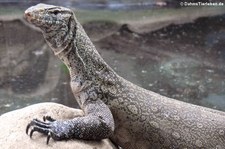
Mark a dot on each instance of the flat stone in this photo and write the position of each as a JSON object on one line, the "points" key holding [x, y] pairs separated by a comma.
{"points": [[13, 125]]}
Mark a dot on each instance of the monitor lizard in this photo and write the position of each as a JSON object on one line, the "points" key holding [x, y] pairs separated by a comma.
{"points": [[131, 116]]}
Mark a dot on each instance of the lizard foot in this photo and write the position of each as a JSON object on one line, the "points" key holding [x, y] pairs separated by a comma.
{"points": [[46, 128]]}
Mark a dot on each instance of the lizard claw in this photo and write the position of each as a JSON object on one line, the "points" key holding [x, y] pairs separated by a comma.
{"points": [[48, 137], [48, 118], [27, 128], [41, 127]]}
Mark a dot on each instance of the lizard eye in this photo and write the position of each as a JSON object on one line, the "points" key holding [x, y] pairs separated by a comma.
{"points": [[56, 12]]}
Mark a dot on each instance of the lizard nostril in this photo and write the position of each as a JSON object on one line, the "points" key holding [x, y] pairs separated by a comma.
{"points": [[27, 14]]}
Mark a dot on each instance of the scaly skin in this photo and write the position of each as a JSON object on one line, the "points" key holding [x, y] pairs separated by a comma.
{"points": [[134, 118]]}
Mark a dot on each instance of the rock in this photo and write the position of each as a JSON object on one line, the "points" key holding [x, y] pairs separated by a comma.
{"points": [[13, 125]]}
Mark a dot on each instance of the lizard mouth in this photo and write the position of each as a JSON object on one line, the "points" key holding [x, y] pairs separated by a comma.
{"points": [[32, 14], [35, 17], [38, 19], [31, 18]]}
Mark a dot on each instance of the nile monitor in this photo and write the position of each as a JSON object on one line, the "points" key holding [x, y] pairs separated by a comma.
{"points": [[132, 117]]}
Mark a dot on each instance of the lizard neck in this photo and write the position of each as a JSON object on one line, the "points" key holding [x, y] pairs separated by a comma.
{"points": [[80, 55]]}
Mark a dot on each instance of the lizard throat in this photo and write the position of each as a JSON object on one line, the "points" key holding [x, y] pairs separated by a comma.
{"points": [[62, 40]]}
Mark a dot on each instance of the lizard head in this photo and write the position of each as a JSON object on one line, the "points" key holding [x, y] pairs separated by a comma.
{"points": [[55, 23], [68, 40]]}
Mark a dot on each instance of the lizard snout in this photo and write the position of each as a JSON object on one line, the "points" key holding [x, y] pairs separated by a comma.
{"points": [[28, 16]]}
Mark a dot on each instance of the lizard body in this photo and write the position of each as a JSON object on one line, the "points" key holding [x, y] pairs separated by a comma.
{"points": [[114, 108]]}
